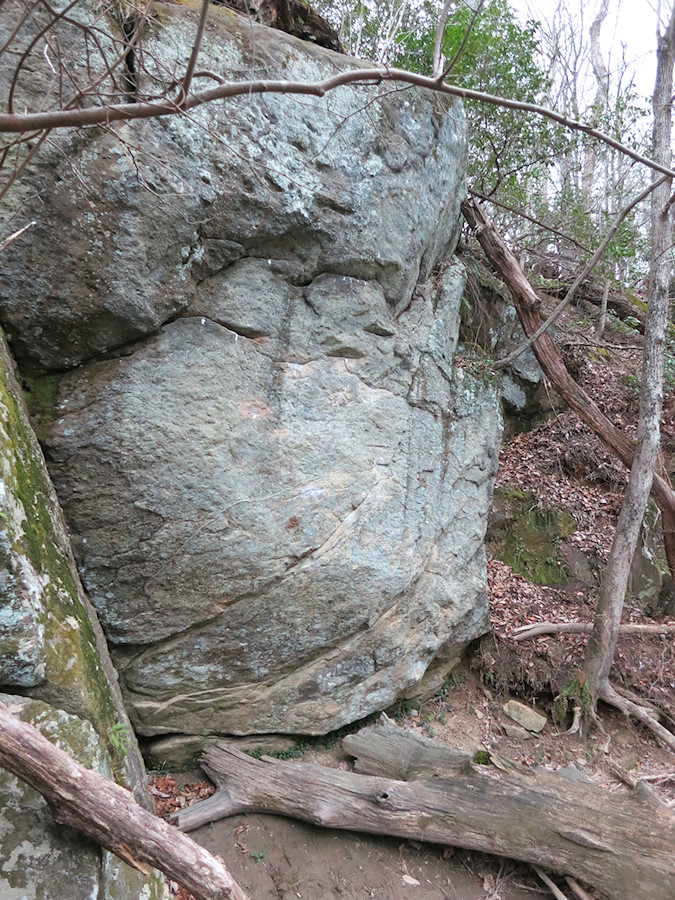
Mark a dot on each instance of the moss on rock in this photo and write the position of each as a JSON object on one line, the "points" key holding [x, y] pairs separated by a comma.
{"points": [[528, 537]]}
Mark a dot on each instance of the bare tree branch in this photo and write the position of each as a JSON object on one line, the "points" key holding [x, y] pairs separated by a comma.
{"points": [[189, 72], [16, 234], [98, 115]]}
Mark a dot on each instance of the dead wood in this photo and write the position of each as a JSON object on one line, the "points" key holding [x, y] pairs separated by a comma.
{"points": [[525, 632], [108, 814], [621, 845], [528, 308]]}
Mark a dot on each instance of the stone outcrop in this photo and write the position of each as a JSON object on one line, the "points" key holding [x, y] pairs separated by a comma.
{"points": [[52, 648], [276, 481]]}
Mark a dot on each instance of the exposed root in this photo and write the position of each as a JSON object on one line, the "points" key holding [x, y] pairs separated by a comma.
{"points": [[643, 714], [575, 727]]}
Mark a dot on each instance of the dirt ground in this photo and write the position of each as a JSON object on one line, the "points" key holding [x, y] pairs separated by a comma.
{"points": [[272, 857]]}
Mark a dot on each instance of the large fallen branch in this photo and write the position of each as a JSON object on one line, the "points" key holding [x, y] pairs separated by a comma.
{"points": [[525, 632], [528, 308], [108, 814], [621, 845]]}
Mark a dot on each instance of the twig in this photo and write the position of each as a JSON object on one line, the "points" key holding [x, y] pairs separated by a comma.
{"points": [[528, 217], [12, 237], [577, 889], [557, 893]]}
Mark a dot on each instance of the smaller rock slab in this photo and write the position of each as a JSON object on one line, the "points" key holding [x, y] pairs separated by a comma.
{"points": [[524, 716]]}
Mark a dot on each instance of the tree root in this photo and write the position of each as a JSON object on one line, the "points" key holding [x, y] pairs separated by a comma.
{"points": [[525, 632], [643, 714]]}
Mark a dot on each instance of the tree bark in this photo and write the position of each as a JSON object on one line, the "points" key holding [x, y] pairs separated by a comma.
{"points": [[108, 814], [528, 307], [621, 845], [602, 642]]}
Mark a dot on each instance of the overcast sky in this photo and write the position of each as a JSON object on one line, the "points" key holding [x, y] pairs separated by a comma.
{"points": [[629, 22]]}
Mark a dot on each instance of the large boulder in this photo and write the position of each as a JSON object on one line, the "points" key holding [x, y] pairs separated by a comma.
{"points": [[347, 184], [278, 538], [276, 481]]}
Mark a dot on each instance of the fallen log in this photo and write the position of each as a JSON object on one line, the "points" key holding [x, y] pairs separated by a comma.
{"points": [[621, 845], [108, 814], [528, 308]]}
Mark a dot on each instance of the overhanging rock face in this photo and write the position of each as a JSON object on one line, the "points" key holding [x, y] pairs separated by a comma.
{"points": [[278, 482]]}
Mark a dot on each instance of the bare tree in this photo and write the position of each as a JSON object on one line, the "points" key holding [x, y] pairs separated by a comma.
{"points": [[602, 643]]}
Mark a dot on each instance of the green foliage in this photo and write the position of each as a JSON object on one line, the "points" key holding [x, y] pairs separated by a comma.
{"points": [[481, 758], [296, 751], [160, 769], [119, 734], [258, 857], [400, 710], [508, 148]]}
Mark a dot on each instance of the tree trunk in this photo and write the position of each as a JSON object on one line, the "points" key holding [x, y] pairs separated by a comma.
{"points": [[528, 307], [108, 814], [602, 642], [621, 845]]}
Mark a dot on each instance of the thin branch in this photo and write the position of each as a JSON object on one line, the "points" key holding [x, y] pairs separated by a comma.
{"points": [[524, 215], [98, 115], [525, 632], [17, 234], [585, 272], [437, 67], [453, 62], [553, 888], [189, 72], [576, 889]]}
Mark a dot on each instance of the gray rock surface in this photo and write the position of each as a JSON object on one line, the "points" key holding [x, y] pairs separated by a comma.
{"points": [[276, 481], [40, 860], [525, 716], [339, 184], [51, 643], [279, 506]]}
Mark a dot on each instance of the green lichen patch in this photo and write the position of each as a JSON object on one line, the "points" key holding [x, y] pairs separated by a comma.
{"points": [[41, 399], [528, 537], [40, 592]]}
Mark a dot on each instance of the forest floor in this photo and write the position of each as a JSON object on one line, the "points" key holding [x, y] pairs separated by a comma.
{"points": [[560, 463]]}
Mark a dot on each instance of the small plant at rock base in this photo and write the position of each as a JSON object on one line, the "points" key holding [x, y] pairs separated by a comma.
{"points": [[575, 690], [119, 735], [400, 710], [258, 857], [481, 758]]}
